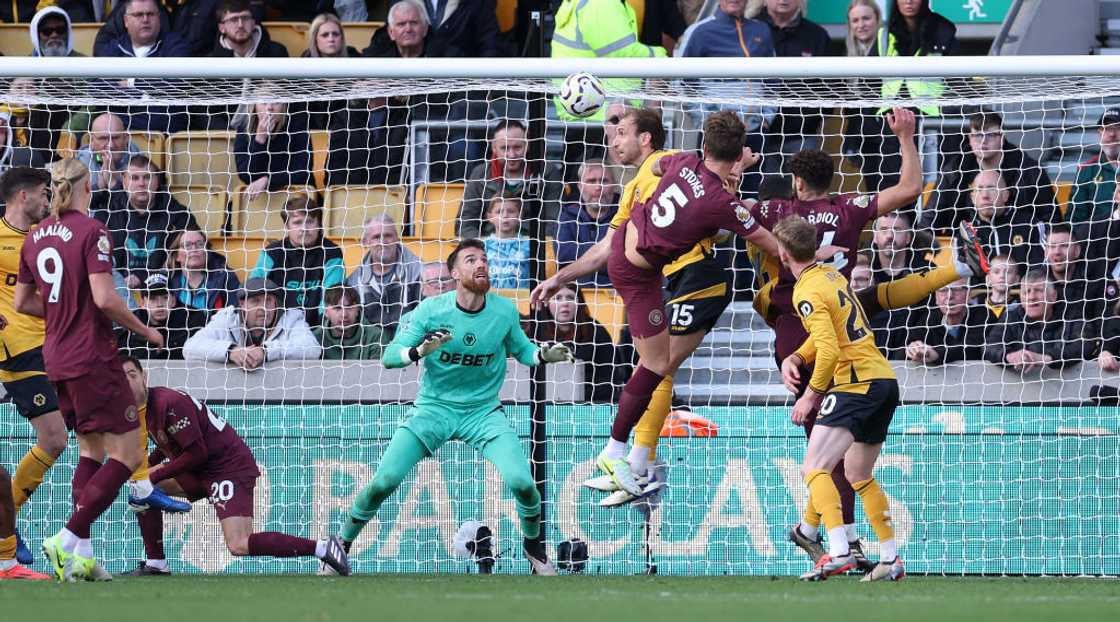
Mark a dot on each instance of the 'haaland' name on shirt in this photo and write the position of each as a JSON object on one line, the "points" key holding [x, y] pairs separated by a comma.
{"points": [[55, 229]]}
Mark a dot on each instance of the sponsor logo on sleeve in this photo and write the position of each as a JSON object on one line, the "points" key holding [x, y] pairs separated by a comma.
{"points": [[805, 308]]}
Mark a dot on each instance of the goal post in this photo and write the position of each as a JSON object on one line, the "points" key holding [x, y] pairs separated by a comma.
{"points": [[989, 470]]}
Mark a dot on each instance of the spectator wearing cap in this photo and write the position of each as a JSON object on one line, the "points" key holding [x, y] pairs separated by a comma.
{"points": [[954, 332], [198, 275], [1096, 177], [344, 333], [259, 329], [1033, 334], [140, 219], [159, 310], [304, 262], [1028, 187]]}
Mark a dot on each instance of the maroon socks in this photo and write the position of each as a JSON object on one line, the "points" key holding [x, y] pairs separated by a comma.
{"points": [[632, 405], [97, 495]]}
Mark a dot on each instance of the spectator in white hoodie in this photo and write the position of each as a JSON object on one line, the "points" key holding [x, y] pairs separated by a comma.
{"points": [[254, 332]]}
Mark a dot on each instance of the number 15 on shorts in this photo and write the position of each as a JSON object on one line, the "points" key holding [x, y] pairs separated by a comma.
{"points": [[682, 314]]}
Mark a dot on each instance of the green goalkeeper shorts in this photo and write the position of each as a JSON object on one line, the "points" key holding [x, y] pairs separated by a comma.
{"points": [[436, 424]]}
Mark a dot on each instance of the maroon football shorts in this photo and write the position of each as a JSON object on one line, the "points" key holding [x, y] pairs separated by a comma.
{"points": [[641, 290], [231, 497], [100, 401]]}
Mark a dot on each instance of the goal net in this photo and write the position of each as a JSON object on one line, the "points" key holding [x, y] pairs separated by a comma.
{"points": [[998, 462]]}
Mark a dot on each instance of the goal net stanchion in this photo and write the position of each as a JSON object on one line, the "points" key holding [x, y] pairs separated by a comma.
{"points": [[989, 471]]}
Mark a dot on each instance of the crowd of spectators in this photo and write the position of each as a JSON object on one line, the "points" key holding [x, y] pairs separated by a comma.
{"points": [[1051, 298]]}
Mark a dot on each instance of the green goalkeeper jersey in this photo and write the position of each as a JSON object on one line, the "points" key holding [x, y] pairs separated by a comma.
{"points": [[467, 371]]}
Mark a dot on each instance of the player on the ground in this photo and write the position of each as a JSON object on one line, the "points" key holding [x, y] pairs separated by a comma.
{"points": [[841, 219], [198, 456], [65, 276], [699, 289], [691, 203], [855, 390], [462, 338], [22, 371]]}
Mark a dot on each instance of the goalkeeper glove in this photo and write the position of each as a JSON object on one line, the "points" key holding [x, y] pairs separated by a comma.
{"points": [[431, 342], [554, 353]]}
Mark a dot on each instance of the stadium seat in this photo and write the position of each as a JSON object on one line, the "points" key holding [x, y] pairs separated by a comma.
{"points": [[201, 159], [241, 252], [15, 39], [507, 15], [320, 145], [518, 296], [261, 216], [352, 252], [348, 207], [639, 7], [437, 208], [209, 206], [605, 305], [927, 193], [1063, 192], [293, 35], [429, 250], [153, 144]]}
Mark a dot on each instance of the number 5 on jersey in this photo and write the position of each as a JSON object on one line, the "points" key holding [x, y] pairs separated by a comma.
{"points": [[49, 264], [668, 202]]}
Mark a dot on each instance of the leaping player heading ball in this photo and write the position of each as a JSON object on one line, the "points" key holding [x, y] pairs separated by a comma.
{"points": [[693, 201]]}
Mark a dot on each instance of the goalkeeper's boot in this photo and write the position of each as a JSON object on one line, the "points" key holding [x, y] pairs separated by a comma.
{"points": [[602, 483], [23, 554], [967, 251], [651, 483], [336, 558], [538, 557], [862, 563], [829, 566], [619, 470], [52, 550], [144, 570], [886, 571], [20, 572], [97, 574], [812, 547], [158, 500]]}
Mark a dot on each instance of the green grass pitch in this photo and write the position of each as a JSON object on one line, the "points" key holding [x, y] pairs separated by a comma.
{"points": [[415, 598]]}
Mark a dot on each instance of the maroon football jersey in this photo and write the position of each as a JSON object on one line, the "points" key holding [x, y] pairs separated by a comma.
{"points": [[839, 219], [58, 257], [690, 204], [177, 421]]}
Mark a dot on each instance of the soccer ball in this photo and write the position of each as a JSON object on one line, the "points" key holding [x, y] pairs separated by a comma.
{"points": [[582, 94]]}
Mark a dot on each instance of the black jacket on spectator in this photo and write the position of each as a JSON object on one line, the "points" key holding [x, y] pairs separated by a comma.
{"points": [[1013, 233], [1083, 294], [301, 271], [319, 112], [217, 291], [606, 367], [1064, 340], [801, 38], [20, 11], [193, 20], [892, 327], [662, 17], [935, 36], [285, 158], [140, 238], [1029, 189], [367, 146], [181, 324], [1110, 333], [964, 342], [469, 30]]}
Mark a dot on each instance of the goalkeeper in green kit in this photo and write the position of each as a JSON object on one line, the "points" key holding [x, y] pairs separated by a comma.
{"points": [[463, 338]]}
